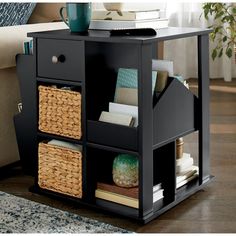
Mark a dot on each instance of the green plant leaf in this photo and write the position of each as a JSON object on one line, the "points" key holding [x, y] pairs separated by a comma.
{"points": [[220, 53], [224, 38], [229, 52], [206, 11], [212, 36], [219, 14], [214, 54]]}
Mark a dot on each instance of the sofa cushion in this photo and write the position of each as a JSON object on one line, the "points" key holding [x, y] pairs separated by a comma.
{"points": [[15, 13], [46, 12], [9, 97]]}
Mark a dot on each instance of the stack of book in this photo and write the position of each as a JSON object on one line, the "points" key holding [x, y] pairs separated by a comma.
{"points": [[185, 170], [107, 20], [125, 196], [124, 109], [157, 193]]}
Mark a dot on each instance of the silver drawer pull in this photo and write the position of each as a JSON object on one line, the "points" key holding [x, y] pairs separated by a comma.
{"points": [[56, 59]]}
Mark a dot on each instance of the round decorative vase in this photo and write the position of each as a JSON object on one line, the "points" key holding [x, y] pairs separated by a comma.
{"points": [[125, 171], [113, 6]]}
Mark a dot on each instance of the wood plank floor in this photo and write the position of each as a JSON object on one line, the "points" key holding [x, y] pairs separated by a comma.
{"points": [[211, 210]]}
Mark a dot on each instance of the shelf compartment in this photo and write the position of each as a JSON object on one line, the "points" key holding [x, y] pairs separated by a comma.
{"points": [[101, 183], [60, 169], [174, 113], [60, 112], [112, 135]]}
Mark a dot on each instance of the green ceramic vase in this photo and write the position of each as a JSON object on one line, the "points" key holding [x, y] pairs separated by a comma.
{"points": [[125, 171]]}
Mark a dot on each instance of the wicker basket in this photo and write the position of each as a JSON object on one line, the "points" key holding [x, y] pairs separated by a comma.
{"points": [[60, 169], [60, 112]]}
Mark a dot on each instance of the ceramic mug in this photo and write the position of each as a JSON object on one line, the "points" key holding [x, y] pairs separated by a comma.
{"points": [[79, 16]]}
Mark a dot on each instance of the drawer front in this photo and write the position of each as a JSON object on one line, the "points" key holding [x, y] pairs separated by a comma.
{"points": [[61, 59]]}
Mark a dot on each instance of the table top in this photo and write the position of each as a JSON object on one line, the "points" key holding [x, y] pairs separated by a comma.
{"points": [[104, 35]]}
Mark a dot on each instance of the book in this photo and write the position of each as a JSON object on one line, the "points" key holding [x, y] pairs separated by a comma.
{"points": [[163, 65], [125, 15], [186, 174], [128, 78], [161, 81], [128, 192], [115, 118], [126, 110], [124, 200], [157, 187], [182, 183], [117, 198], [115, 24], [128, 96], [158, 195], [28, 47]]}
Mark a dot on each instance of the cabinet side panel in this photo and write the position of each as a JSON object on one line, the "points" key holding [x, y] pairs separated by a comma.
{"points": [[26, 121]]}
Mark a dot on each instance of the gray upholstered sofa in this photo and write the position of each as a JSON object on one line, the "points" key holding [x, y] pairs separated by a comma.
{"points": [[11, 41]]}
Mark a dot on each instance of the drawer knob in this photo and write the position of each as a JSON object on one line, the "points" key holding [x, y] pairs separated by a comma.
{"points": [[56, 59]]}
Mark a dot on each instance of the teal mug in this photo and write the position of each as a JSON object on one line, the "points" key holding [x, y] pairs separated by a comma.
{"points": [[79, 16]]}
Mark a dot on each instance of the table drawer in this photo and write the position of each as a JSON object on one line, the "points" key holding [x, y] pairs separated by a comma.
{"points": [[61, 59]]}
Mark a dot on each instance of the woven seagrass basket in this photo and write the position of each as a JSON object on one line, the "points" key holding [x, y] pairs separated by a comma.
{"points": [[60, 169], [60, 112]]}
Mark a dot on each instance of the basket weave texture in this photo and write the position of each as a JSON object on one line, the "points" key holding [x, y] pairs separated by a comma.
{"points": [[60, 169], [60, 112]]}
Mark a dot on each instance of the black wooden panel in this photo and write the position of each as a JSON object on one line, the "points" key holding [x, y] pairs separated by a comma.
{"points": [[26, 121], [164, 170], [112, 135], [174, 113], [111, 55], [204, 98], [72, 68]]}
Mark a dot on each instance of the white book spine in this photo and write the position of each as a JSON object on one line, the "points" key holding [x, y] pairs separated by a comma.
{"points": [[158, 195], [187, 174], [109, 24], [182, 183], [125, 110], [156, 187], [115, 118]]}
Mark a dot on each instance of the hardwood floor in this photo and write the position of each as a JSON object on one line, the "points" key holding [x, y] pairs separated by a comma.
{"points": [[211, 210]]}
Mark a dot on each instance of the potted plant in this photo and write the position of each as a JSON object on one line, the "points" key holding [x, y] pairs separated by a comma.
{"points": [[224, 27]]}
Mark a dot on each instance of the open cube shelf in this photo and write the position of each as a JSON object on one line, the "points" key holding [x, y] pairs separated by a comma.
{"points": [[174, 115]]}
